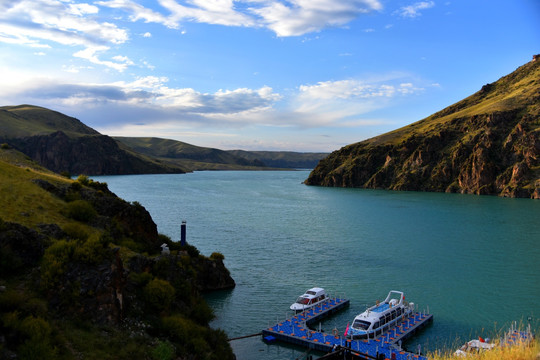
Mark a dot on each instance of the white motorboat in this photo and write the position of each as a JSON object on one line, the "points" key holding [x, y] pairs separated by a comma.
{"points": [[312, 297], [474, 346], [379, 318]]}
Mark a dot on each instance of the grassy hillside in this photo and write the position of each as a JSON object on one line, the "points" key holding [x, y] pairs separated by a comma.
{"points": [[283, 159], [520, 352], [64, 144], [488, 143], [518, 90], [83, 277], [28, 120], [190, 156], [202, 158]]}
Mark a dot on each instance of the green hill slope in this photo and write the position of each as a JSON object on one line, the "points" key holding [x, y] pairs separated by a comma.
{"points": [[283, 159], [488, 143], [83, 276], [28, 120], [64, 144], [189, 156], [203, 158]]}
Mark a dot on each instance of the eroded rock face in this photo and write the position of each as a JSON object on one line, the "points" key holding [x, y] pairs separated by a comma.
{"points": [[498, 160], [87, 154], [92, 292], [492, 153]]}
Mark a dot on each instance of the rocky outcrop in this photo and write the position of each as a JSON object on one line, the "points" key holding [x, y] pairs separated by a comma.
{"points": [[85, 154], [92, 292], [460, 149], [21, 247], [114, 214], [101, 276]]}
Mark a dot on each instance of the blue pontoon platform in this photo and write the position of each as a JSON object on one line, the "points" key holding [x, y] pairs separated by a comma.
{"points": [[295, 331]]}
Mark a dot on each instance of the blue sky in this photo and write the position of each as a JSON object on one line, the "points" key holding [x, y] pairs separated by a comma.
{"points": [[300, 75]]}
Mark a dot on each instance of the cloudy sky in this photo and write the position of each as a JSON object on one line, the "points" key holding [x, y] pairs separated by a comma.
{"points": [[301, 75]]}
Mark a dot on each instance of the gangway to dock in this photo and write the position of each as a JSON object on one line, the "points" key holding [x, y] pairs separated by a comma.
{"points": [[294, 330]]}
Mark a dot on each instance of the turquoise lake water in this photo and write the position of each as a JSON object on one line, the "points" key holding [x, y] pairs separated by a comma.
{"points": [[474, 261]]}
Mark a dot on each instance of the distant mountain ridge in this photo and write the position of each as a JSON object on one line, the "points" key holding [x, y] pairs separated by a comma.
{"points": [[488, 143], [64, 144], [202, 158]]}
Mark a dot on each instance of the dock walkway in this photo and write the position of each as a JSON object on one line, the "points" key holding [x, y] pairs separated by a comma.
{"points": [[295, 331]]}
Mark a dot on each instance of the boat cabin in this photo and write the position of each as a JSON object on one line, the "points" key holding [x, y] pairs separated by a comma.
{"points": [[309, 299], [382, 316]]}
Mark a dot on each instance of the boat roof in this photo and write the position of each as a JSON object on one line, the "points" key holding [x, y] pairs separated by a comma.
{"points": [[316, 291], [374, 312]]}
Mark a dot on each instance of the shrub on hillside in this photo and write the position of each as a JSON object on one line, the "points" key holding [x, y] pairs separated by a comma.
{"points": [[80, 210], [217, 256], [192, 250], [76, 231], [202, 313], [163, 351], [55, 261], [91, 251], [35, 328], [83, 180], [159, 294]]}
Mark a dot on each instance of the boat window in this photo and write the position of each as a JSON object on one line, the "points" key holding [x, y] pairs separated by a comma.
{"points": [[361, 324], [377, 324], [382, 321], [388, 317], [393, 314], [311, 293], [302, 300], [399, 311]]}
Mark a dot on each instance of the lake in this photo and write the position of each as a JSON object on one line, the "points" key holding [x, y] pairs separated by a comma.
{"points": [[474, 261]]}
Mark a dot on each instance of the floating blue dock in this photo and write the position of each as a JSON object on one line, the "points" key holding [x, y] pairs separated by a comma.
{"points": [[295, 331]]}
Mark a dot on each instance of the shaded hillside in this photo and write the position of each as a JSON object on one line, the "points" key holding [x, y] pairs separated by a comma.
{"points": [[190, 156], [64, 144], [83, 276], [283, 159], [202, 158], [488, 143]]}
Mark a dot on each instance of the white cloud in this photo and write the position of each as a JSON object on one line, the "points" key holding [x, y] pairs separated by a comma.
{"points": [[298, 17], [285, 18], [413, 10], [90, 54], [43, 23], [139, 12], [150, 93], [165, 110], [345, 102], [147, 35], [82, 9]]}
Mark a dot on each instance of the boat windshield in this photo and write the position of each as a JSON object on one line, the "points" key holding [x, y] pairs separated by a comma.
{"points": [[361, 324], [302, 300]]}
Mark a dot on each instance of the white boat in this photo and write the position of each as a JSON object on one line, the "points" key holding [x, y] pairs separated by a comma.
{"points": [[379, 318], [474, 346], [312, 297]]}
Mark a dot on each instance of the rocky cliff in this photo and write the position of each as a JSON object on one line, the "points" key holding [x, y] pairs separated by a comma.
{"points": [[489, 143], [88, 154], [64, 144], [83, 275]]}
